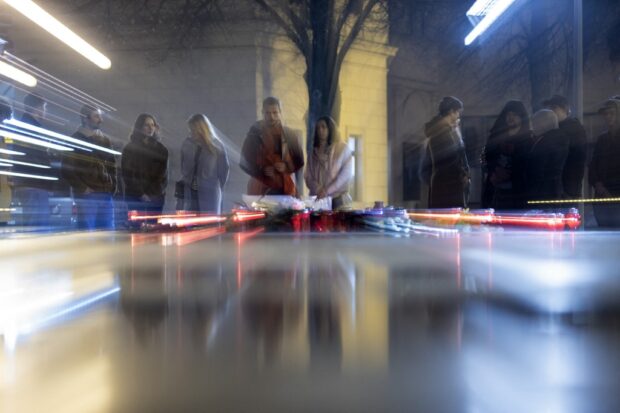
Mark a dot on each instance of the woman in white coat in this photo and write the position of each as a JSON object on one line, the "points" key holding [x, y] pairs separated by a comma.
{"points": [[204, 166], [329, 169]]}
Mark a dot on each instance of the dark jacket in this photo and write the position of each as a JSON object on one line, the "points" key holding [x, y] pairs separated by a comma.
{"points": [[605, 164], [449, 186], [545, 164], [575, 166], [144, 167], [33, 154], [94, 170]]}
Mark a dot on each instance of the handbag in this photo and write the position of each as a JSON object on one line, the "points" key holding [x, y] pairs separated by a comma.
{"points": [[179, 186]]}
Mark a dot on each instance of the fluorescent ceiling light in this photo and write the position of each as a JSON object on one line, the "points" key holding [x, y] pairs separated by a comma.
{"points": [[18, 75], [48, 22], [45, 178], [33, 141], [10, 152], [34, 165], [53, 134], [485, 13]]}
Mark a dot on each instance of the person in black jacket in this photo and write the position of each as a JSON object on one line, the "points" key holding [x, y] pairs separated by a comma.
{"points": [[546, 158], [449, 183], [575, 166], [604, 171], [144, 167], [31, 193], [505, 175], [92, 174]]}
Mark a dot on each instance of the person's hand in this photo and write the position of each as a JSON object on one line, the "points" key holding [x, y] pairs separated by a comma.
{"points": [[321, 194], [280, 167], [269, 171], [600, 190], [145, 198]]}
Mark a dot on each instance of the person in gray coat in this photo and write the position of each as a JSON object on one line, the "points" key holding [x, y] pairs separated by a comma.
{"points": [[204, 167]]}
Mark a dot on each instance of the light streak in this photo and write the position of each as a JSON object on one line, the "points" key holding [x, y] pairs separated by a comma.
{"points": [[18, 75], [573, 201], [243, 216], [189, 221], [491, 9], [34, 165], [32, 141], [134, 216], [79, 142], [49, 23], [45, 178], [10, 152], [7, 165], [38, 136]]}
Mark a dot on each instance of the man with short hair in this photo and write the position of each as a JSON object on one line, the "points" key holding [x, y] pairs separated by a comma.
{"points": [[33, 194], [272, 154], [92, 175], [574, 168]]}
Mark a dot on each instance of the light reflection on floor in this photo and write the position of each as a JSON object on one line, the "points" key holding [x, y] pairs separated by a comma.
{"points": [[472, 322]]}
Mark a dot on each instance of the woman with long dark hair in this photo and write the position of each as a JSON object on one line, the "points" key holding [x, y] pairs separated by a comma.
{"points": [[504, 158], [204, 166], [330, 165], [144, 166]]}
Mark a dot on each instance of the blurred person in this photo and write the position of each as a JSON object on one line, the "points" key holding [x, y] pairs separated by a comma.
{"points": [[330, 165], [144, 166], [505, 171], [204, 167], [449, 180], [604, 171], [92, 175], [575, 166], [272, 154], [33, 194], [546, 157]]}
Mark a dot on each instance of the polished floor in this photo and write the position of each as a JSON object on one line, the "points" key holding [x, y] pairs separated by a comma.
{"points": [[474, 321]]}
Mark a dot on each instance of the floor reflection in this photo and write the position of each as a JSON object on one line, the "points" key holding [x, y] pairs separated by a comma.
{"points": [[238, 322]]}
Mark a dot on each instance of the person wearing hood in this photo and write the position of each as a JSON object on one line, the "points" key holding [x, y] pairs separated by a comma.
{"points": [[92, 174], [575, 166], [546, 158], [508, 139], [604, 171], [204, 168], [449, 181], [144, 166], [272, 154]]}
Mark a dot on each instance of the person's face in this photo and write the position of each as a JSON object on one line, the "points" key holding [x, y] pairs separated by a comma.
{"points": [[149, 127], [95, 119], [513, 120], [39, 112], [454, 118], [610, 115], [271, 114], [322, 132], [561, 113]]}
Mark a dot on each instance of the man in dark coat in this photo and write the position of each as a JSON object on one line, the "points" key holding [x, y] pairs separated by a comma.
{"points": [[547, 157], [31, 193], [272, 154], [92, 175], [575, 166], [450, 170], [604, 171], [144, 167]]}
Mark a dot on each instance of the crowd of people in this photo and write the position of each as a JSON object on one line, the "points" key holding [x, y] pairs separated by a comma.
{"points": [[542, 157], [526, 158], [271, 155]]}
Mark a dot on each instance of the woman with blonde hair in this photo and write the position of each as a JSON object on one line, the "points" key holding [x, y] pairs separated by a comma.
{"points": [[330, 165], [204, 167]]}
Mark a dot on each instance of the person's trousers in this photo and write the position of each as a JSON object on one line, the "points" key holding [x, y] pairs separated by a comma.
{"points": [[95, 211]]}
